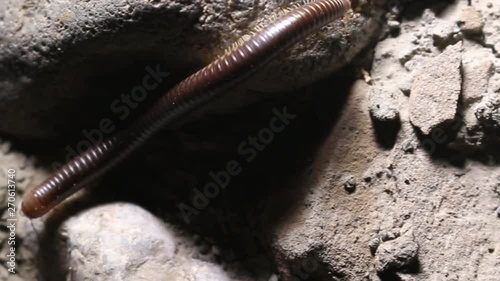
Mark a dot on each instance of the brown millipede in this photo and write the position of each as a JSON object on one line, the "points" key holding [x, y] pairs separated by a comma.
{"points": [[191, 93]]}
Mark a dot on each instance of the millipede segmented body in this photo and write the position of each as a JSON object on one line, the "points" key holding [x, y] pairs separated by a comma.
{"points": [[193, 92]]}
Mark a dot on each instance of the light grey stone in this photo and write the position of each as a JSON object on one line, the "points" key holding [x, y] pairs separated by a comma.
{"points": [[405, 84], [494, 84], [444, 33], [117, 242], [395, 255], [122, 241], [435, 91], [200, 271], [471, 21], [488, 111], [383, 104], [476, 75]]}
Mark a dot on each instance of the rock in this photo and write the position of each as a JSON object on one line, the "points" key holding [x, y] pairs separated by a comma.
{"points": [[381, 238], [436, 90], [196, 270], [488, 111], [476, 74], [394, 25], [498, 212], [494, 84], [406, 83], [396, 255], [60, 57], [416, 63], [471, 21], [444, 33], [383, 104], [122, 241], [491, 27], [117, 242], [350, 184], [428, 16], [473, 130], [408, 147]]}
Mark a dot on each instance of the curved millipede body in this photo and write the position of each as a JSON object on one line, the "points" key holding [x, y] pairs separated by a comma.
{"points": [[191, 93]]}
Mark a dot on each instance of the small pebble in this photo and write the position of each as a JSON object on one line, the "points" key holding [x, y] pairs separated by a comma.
{"points": [[488, 111], [408, 147], [405, 84], [108, 239], [472, 21], [380, 238], [382, 172], [394, 25], [350, 184], [383, 104], [498, 212], [396, 255]]}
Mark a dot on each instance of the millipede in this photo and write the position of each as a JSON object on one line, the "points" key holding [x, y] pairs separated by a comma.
{"points": [[196, 90]]}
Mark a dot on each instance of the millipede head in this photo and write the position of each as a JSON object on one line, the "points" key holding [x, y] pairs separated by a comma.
{"points": [[32, 207]]}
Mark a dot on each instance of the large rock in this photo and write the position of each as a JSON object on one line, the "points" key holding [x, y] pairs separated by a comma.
{"points": [[63, 63], [435, 91], [117, 242], [121, 241]]}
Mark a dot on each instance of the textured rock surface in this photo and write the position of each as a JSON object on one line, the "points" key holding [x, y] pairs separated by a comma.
{"points": [[195, 270], [488, 111], [435, 91], [60, 58], [117, 242], [472, 21], [396, 255], [478, 68], [124, 242], [384, 104], [412, 185]]}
